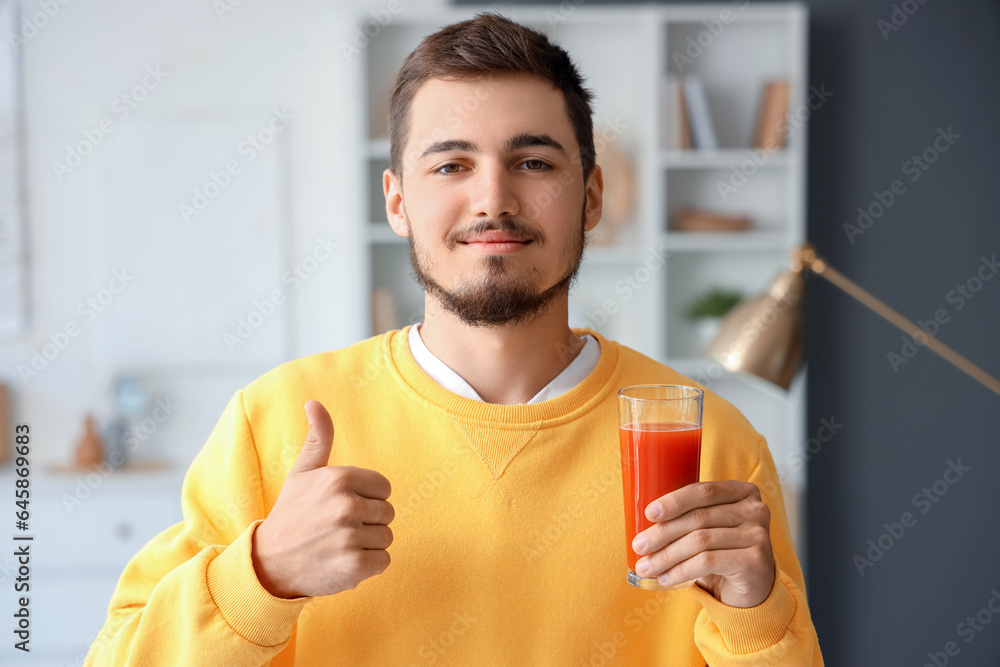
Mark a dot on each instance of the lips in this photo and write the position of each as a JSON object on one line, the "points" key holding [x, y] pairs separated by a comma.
{"points": [[496, 237]]}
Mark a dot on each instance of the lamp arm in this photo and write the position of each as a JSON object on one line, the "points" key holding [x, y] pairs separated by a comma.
{"points": [[807, 258]]}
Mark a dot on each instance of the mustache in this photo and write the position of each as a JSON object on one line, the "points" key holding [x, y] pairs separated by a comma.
{"points": [[508, 225]]}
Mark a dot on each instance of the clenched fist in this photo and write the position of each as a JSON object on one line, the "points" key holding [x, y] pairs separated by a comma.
{"points": [[329, 528]]}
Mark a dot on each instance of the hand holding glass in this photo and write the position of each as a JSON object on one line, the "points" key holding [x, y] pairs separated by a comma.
{"points": [[659, 429]]}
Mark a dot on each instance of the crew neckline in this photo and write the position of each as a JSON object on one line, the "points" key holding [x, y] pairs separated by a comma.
{"points": [[570, 376], [567, 406]]}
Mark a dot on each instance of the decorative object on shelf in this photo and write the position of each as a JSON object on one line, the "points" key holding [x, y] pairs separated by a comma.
{"points": [[763, 336], [6, 426], [675, 123], [89, 450], [770, 132], [114, 437], [690, 219], [701, 120], [130, 400], [707, 312], [619, 193], [384, 316]]}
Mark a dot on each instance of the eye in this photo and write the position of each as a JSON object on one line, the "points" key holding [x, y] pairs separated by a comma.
{"points": [[446, 166], [540, 166]]}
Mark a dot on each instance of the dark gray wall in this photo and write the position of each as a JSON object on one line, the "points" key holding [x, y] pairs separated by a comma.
{"points": [[941, 69]]}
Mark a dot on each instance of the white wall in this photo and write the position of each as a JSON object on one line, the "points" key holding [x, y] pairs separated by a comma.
{"points": [[120, 206]]}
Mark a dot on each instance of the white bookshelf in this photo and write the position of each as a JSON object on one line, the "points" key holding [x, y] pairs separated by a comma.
{"points": [[624, 53]]}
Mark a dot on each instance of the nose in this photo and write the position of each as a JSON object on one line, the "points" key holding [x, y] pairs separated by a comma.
{"points": [[492, 193]]}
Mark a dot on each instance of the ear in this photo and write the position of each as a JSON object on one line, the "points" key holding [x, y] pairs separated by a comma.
{"points": [[394, 209], [595, 198]]}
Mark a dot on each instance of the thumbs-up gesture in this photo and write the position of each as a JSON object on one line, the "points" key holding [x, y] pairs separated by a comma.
{"points": [[329, 528]]}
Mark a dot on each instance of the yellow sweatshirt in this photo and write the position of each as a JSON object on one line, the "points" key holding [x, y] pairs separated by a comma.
{"points": [[509, 539]]}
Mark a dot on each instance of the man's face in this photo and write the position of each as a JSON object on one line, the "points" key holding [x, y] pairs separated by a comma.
{"points": [[495, 206]]}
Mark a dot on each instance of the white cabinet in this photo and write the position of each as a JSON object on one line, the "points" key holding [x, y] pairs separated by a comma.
{"points": [[85, 531], [625, 55]]}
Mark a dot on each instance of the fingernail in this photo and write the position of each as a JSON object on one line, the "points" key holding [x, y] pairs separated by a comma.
{"points": [[663, 579], [639, 543], [642, 565], [654, 511]]}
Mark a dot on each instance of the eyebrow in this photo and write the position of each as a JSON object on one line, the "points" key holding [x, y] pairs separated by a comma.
{"points": [[516, 142]]}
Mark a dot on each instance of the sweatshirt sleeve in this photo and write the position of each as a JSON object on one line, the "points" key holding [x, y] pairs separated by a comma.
{"points": [[778, 631], [190, 596]]}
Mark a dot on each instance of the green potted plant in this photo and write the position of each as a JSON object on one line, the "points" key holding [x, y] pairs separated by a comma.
{"points": [[707, 311]]}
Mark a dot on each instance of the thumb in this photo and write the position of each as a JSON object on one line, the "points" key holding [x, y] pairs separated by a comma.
{"points": [[319, 442]]}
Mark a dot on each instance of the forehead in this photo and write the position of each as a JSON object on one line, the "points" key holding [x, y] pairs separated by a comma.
{"points": [[489, 107]]}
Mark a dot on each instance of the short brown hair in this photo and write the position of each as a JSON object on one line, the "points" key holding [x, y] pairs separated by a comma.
{"points": [[489, 44]]}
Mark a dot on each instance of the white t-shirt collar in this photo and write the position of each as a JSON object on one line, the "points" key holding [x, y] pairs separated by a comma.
{"points": [[441, 373]]}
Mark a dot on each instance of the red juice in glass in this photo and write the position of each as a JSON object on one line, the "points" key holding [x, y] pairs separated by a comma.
{"points": [[657, 458]]}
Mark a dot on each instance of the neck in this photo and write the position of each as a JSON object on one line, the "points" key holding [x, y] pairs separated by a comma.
{"points": [[507, 364]]}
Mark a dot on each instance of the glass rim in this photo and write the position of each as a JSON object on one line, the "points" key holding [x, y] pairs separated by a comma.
{"points": [[695, 392]]}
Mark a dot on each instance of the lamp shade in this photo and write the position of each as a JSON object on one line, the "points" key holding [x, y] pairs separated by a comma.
{"points": [[763, 335]]}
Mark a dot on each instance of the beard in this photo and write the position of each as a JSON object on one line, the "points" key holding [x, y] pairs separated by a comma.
{"points": [[501, 296]]}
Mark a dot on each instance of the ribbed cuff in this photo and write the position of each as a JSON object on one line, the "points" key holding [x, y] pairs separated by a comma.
{"points": [[247, 606], [751, 629]]}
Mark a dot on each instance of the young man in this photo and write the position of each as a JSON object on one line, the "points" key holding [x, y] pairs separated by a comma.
{"points": [[492, 425]]}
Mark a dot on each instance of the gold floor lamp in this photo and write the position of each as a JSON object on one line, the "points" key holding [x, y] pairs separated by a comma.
{"points": [[763, 335]]}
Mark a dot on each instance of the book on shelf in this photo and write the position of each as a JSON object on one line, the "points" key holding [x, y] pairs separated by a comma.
{"points": [[697, 108], [676, 125], [693, 219], [770, 131]]}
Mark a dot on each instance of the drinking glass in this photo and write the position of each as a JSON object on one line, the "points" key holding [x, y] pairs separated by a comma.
{"points": [[659, 428]]}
